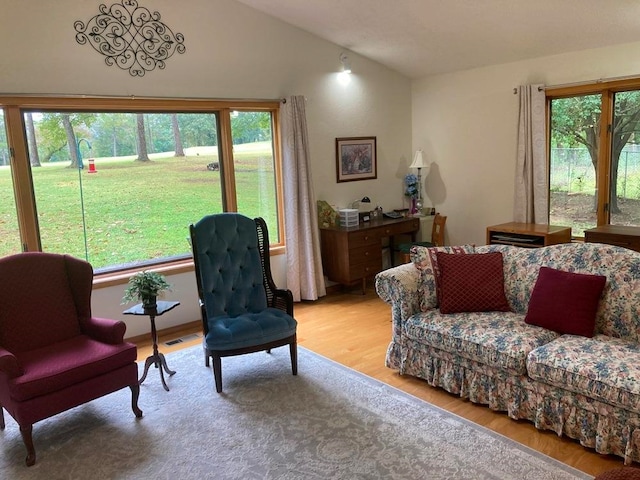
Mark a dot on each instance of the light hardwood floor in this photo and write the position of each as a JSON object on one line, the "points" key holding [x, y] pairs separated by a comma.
{"points": [[355, 329]]}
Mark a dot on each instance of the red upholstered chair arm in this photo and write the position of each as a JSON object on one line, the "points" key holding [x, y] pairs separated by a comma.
{"points": [[9, 364], [104, 329]]}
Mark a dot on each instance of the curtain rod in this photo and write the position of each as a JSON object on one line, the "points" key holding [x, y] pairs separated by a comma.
{"points": [[588, 82], [540, 89], [134, 97]]}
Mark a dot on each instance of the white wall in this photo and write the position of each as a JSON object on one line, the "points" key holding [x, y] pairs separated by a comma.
{"points": [[231, 52], [466, 122]]}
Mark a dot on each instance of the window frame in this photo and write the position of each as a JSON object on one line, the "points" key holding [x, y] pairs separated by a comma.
{"points": [[606, 90], [15, 106]]}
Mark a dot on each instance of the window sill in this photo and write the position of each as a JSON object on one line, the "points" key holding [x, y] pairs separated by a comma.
{"points": [[122, 277], [179, 266]]}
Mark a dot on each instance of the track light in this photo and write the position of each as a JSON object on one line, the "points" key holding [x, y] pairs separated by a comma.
{"points": [[346, 65]]}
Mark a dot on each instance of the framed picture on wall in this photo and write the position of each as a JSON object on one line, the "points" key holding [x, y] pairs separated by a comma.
{"points": [[356, 159]]}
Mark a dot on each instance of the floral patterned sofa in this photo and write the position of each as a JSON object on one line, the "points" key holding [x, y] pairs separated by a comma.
{"points": [[581, 387]]}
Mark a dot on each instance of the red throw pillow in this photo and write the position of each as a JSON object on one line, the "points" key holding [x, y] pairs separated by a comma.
{"points": [[565, 302], [425, 259], [473, 282]]}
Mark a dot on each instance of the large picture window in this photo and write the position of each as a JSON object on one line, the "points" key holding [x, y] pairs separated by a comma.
{"points": [[594, 155], [9, 231], [119, 185]]}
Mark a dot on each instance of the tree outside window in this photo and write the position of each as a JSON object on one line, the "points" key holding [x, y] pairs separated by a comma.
{"points": [[119, 188], [595, 159]]}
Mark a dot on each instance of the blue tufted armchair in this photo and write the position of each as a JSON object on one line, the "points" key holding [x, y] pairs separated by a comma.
{"points": [[242, 310]]}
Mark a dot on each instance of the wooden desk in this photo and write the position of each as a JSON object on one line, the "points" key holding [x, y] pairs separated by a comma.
{"points": [[622, 236], [527, 234], [352, 254]]}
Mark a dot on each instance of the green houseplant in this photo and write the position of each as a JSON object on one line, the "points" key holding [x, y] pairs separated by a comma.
{"points": [[145, 287]]}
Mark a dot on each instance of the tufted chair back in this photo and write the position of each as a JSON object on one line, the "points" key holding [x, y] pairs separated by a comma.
{"points": [[242, 309], [228, 259]]}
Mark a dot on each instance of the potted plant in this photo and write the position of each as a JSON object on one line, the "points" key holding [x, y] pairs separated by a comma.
{"points": [[145, 287]]}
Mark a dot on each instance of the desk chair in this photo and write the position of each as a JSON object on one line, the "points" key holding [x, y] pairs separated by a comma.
{"points": [[437, 238]]}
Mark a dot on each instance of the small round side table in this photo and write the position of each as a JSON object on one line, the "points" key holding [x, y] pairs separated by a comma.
{"points": [[157, 358]]}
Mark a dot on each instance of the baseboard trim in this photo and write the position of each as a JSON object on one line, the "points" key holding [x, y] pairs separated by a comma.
{"points": [[167, 331]]}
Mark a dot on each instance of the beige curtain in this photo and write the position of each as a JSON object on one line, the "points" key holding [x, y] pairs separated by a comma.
{"points": [[304, 266], [531, 200]]}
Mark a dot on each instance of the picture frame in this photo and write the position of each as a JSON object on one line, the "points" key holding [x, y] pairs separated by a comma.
{"points": [[356, 159]]}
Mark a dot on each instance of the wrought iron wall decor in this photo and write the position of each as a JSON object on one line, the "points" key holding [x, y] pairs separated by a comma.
{"points": [[130, 36]]}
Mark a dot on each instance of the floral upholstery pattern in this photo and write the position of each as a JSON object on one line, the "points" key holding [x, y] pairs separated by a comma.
{"points": [[617, 315], [502, 341], [605, 368], [585, 388]]}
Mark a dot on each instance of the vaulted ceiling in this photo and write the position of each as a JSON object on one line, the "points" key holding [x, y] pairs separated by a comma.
{"points": [[424, 37]]}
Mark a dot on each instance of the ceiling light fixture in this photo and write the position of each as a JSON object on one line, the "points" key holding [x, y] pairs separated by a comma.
{"points": [[346, 65]]}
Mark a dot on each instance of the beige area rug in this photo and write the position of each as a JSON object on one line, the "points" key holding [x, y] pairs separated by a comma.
{"points": [[329, 422]]}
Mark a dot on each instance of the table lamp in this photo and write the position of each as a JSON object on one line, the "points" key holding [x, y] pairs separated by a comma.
{"points": [[419, 163]]}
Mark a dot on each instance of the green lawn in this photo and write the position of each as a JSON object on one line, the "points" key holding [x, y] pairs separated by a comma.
{"points": [[136, 211]]}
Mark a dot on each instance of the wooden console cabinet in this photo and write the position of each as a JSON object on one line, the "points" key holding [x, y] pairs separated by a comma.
{"points": [[529, 235], [622, 236], [352, 254]]}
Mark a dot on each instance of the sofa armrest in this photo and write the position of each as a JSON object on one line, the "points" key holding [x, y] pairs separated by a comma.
{"points": [[398, 287], [104, 329], [9, 364]]}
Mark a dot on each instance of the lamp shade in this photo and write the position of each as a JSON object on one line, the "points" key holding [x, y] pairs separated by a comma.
{"points": [[418, 160]]}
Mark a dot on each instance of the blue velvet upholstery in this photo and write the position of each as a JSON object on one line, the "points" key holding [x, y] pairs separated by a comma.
{"points": [[241, 308], [230, 265], [228, 333]]}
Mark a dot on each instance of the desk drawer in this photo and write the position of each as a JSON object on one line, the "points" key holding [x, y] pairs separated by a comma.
{"points": [[367, 269], [368, 254], [359, 239], [399, 228]]}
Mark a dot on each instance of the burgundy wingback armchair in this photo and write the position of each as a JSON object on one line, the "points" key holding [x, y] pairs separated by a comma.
{"points": [[54, 355]]}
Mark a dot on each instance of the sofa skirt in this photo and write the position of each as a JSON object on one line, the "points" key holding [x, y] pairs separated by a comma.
{"points": [[605, 428]]}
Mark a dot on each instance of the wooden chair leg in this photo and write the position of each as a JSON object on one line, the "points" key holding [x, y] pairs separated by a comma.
{"points": [[135, 393], [206, 357], [293, 350], [1, 418], [27, 437], [217, 372]]}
